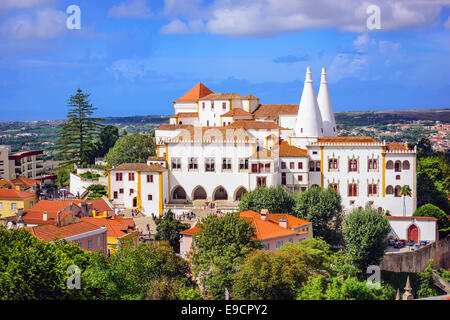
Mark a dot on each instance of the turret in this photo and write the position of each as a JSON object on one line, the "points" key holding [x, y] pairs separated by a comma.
{"points": [[309, 121], [326, 109]]}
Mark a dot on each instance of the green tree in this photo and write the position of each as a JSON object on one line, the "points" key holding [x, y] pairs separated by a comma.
{"points": [[133, 148], [275, 199], [168, 228], [219, 248], [429, 210], [75, 142], [323, 208], [365, 232], [405, 192], [96, 191], [107, 139], [130, 274], [63, 174], [427, 287], [32, 269]]}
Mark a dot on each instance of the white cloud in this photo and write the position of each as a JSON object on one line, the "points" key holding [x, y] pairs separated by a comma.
{"points": [[447, 24], [6, 5], [179, 27], [364, 42], [131, 9], [271, 17], [39, 24]]}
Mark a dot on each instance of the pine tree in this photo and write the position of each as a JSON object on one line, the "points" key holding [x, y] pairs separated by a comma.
{"points": [[78, 131]]}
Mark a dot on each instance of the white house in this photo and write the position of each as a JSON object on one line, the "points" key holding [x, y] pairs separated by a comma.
{"points": [[414, 228]]}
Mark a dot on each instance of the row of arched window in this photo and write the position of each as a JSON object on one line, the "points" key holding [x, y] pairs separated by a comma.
{"points": [[398, 166]]}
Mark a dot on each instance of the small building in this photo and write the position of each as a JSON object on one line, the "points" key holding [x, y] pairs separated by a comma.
{"points": [[122, 233], [86, 235], [414, 228], [12, 200], [272, 229]]}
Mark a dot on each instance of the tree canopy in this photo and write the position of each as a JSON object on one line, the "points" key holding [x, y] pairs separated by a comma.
{"points": [[219, 248], [168, 228], [275, 199], [133, 148], [429, 210], [365, 233], [78, 132], [323, 208]]}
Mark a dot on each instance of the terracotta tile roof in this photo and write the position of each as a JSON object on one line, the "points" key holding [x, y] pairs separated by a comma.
{"points": [[293, 222], [252, 124], [251, 97], [222, 96], [186, 115], [264, 229], [156, 159], [273, 111], [15, 194], [347, 139], [263, 154], [197, 92], [25, 182], [52, 207], [153, 167], [410, 218], [117, 225], [286, 150], [167, 126], [49, 232], [396, 146], [213, 134], [237, 112]]}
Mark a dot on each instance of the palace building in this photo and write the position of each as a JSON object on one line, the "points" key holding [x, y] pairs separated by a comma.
{"points": [[218, 146]]}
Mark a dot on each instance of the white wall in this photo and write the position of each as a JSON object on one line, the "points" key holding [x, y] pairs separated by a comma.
{"points": [[427, 228]]}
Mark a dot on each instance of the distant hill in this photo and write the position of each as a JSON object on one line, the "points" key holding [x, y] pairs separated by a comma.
{"points": [[136, 120], [364, 118]]}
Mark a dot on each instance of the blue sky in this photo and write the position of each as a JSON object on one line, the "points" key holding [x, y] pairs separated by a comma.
{"points": [[136, 56]]}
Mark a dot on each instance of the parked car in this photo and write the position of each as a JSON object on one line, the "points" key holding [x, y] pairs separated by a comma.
{"points": [[391, 242], [398, 244], [415, 246], [402, 241], [411, 243], [423, 243]]}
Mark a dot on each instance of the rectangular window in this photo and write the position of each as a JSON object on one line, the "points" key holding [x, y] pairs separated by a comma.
{"points": [[224, 106], [149, 197], [121, 190], [203, 105], [1, 205], [80, 244], [115, 195], [267, 168], [89, 244], [352, 190], [300, 165], [372, 189], [243, 164], [131, 191], [300, 178], [333, 186], [283, 165], [130, 176], [283, 178], [312, 166], [13, 206], [261, 181], [212, 105], [99, 241], [176, 163], [149, 178], [226, 164], [372, 165], [279, 244], [209, 165], [332, 164], [267, 246], [193, 164], [292, 165], [353, 165], [318, 166], [118, 176]]}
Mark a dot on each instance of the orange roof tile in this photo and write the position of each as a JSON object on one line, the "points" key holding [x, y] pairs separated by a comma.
{"points": [[396, 146], [186, 115], [252, 124], [26, 182], [223, 96], [152, 167], [273, 111], [347, 139], [197, 92], [286, 150], [15, 194], [237, 112], [117, 225], [49, 232]]}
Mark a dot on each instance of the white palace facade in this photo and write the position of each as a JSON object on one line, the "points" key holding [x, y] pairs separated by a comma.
{"points": [[219, 146]]}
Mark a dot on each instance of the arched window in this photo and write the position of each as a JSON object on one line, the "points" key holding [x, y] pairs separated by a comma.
{"points": [[199, 193], [389, 165], [220, 194], [398, 191], [239, 193], [406, 165], [389, 190], [398, 166], [179, 193]]}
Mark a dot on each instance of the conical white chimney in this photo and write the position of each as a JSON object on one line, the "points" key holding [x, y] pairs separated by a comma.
{"points": [[309, 121], [325, 106]]}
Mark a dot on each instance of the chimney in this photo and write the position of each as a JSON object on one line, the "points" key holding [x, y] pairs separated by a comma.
{"points": [[264, 214], [58, 218], [283, 222], [45, 216]]}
